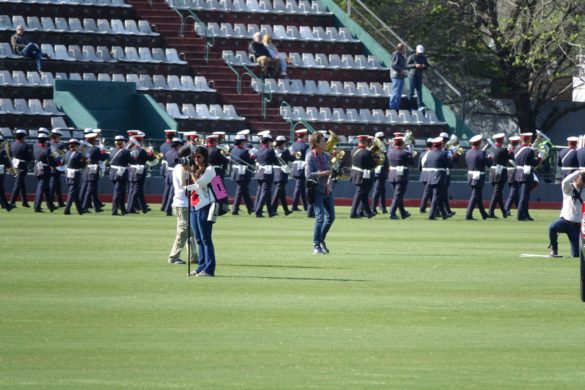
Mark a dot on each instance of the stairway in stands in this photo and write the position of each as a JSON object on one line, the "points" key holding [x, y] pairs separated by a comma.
{"points": [[166, 22]]}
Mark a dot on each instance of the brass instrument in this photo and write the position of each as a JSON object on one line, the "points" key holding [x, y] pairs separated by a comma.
{"points": [[409, 143], [331, 142], [59, 155], [298, 155], [12, 169], [542, 145], [453, 145], [489, 144], [337, 159], [378, 150]]}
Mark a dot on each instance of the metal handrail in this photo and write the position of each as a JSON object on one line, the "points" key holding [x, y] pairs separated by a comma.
{"points": [[209, 38], [388, 38], [265, 95], [293, 124]]}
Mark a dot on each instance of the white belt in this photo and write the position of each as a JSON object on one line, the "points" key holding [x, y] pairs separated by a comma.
{"points": [[137, 166], [16, 162], [117, 166], [398, 168], [476, 172], [433, 169], [41, 164], [497, 166], [170, 168], [361, 170], [568, 168], [217, 166]]}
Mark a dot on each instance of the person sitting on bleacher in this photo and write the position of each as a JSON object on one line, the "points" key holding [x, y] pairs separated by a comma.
{"points": [[267, 41], [269, 66], [22, 46]]}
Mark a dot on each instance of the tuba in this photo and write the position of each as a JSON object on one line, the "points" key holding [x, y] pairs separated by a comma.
{"points": [[453, 145], [409, 143], [542, 145], [378, 150], [331, 142]]}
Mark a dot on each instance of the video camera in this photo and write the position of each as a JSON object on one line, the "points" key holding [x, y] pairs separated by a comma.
{"points": [[185, 160]]}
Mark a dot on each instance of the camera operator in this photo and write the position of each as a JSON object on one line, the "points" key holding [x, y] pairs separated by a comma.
{"points": [[203, 210], [179, 204]]}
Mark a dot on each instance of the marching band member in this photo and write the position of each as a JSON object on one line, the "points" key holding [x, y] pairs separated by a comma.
{"points": [[216, 158], [380, 177], [525, 162], [201, 200], [568, 160], [427, 194], [91, 174], [514, 194], [21, 157], [42, 170], [361, 175], [570, 218], [169, 158], [437, 164], [498, 175], [84, 182], [74, 161], [454, 156], [266, 157], [57, 148], [318, 173], [581, 156], [241, 174], [192, 139], [137, 175], [477, 160], [5, 164], [399, 160], [281, 172], [101, 165], [120, 160], [299, 150], [164, 148]]}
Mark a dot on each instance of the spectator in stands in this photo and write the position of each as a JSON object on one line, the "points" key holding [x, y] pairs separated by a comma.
{"points": [[416, 64], [22, 46], [274, 53], [397, 74], [268, 65]]}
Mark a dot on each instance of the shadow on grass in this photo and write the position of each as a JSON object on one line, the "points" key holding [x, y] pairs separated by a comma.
{"points": [[280, 266], [291, 278]]}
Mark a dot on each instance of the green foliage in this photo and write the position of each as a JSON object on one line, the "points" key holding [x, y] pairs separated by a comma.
{"points": [[90, 302]]}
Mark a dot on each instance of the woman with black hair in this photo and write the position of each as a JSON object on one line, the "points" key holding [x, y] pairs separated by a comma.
{"points": [[202, 211]]}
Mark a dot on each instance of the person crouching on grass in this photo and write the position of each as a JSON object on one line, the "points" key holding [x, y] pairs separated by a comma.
{"points": [[320, 193], [570, 220], [203, 211], [180, 209]]}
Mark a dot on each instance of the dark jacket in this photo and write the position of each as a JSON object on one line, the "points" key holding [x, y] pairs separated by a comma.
{"points": [[120, 158], [398, 66], [525, 157], [362, 161], [281, 174], [258, 49], [498, 171], [476, 161], [398, 157], [266, 157], [416, 59], [18, 42], [241, 157], [437, 163]]}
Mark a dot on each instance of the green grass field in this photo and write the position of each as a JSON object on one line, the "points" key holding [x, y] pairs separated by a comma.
{"points": [[90, 302]]}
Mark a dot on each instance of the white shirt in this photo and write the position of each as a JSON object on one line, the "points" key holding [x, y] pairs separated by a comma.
{"points": [[203, 191], [571, 210], [180, 198]]}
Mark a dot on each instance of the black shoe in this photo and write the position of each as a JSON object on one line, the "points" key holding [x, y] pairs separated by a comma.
{"points": [[423, 211], [67, 212], [132, 212], [288, 212], [9, 207], [450, 214], [39, 211], [26, 205], [529, 218], [469, 218], [272, 215], [170, 214], [554, 252], [432, 218], [61, 205], [393, 217], [295, 209], [100, 210], [355, 216], [85, 211], [384, 211], [406, 215], [235, 213], [117, 213], [259, 215], [484, 217], [324, 248], [506, 214], [493, 216], [52, 208]]}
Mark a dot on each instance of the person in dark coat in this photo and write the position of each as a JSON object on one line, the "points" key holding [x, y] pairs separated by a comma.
{"points": [[399, 161], [91, 174], [241, 174], [163, 149], [298, 149], [23, 47], [44, 160], [74, 161], [379, 186], [416, 64], [398, 72], [568, 160], [514, 194], [266, 158], [119, 162], [137, 175], [269, 67], [498, 175], [5, 165], [437, 164], [58, 150], [169, 158], [426, 195], [477, 161], [21, 156], [281, 172], [363, 165], [526, 160]]}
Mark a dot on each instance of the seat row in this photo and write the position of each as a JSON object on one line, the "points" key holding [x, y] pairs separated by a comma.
{"points": [[103, 54], [324, 87], [312, 61], [203, 112], [278, 32], [364, 115], [32, 107], [253, 6], [7, 132], [143, 81], [75, 25], [98, 3]]}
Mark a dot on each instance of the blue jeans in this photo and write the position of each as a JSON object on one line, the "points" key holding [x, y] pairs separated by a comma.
{"points": [[32, 51], [415, 83], [396, 93], [571, 229], [202, 230], [324, 216]]}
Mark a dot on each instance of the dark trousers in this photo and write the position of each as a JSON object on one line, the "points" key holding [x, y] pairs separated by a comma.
{"points": [[361, 199], [398, 198], [32, 51], [438, 191], [263, 197], [379, 194], [43, 190], [279, 196], [497, 199], [119, 195], [170, 194], [91, 194], [425, 198], [19, 187], [415, 84], [202, 230], [243, 193], [165, 196], [136, 200], [445, 204], [571, 229], [299, 194], [3, 201], [524, 200], [55, 189], [83, 191], [476, 199], [73, 197], [513, 196]]}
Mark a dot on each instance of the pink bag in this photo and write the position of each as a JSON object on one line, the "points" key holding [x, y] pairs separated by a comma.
{"points": [[218, 188]]}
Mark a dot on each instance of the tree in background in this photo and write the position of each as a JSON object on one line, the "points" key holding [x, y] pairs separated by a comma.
{"points": [[519, 50]]}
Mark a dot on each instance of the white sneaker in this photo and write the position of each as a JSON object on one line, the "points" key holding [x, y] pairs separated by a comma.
{"points": [[317, 250]]}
